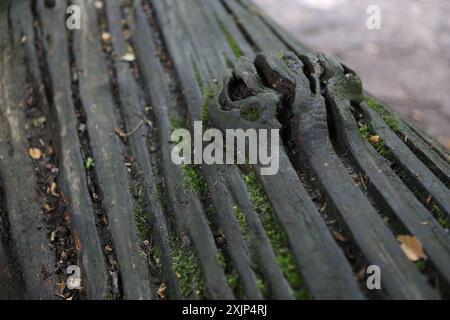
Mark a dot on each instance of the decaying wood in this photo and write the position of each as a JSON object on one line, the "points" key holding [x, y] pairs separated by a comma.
{"points": [[99, 105]]}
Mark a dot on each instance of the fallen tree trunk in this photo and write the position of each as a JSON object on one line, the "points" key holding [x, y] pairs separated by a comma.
{"points": [[88, 181]]}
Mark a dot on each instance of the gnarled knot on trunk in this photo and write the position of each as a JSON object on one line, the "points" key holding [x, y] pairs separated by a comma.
{"points": [[266, 92]]}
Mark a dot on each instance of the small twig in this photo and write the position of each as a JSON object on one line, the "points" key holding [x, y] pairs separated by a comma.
{"points": [[125, 135], [146, 120]]}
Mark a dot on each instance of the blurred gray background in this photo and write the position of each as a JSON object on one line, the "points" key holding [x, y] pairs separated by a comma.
{"points": [[405, 64]]}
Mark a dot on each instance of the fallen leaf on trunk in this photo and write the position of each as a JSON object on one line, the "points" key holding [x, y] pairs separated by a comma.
{"points": [[35, 153], [162, 291], [361, 275], [53, 190], [78, 243], [412, 247], [356, 178], [106, 37], [374, 139]]}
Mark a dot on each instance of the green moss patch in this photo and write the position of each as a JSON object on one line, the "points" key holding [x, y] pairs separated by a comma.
{"points": [[390, 119], [186, 268], [197, 74], [234, 46], [250, 113], [208, 96], [232, 276], [194, 179], [276, 235], [141, 214], [240, 217], [440, 216], [176, 122], [366, 131]]}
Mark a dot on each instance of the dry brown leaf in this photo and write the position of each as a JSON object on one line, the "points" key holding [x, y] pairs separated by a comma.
{"points": [[374, 139], [106, 37], [361, 274], [412, 247], [54, 190], [78, 243], [356, 178], [162, 291], [35, 153], [60, 288], [48, 208]]}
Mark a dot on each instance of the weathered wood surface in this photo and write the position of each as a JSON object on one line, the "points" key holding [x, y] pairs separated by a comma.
{"points": [[104, 194]]}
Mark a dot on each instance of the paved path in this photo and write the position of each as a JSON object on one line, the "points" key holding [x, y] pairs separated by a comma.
{"points": [[406, 63]]}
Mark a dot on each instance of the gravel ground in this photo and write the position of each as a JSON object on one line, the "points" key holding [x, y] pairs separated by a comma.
{"points": [[406, 63]]}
